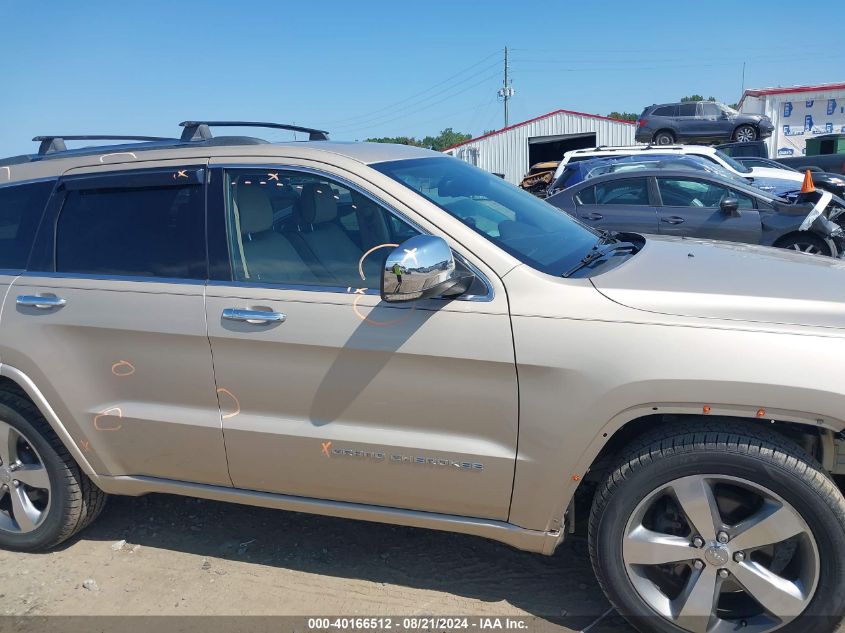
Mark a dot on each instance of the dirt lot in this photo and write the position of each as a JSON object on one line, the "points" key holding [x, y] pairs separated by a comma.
{"points": [[162, 555]]}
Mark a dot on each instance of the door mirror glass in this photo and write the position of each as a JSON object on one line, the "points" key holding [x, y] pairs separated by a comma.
{"points": [[420, 268], [730, 206]]}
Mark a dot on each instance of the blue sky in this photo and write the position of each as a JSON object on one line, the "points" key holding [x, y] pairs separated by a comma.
{"points": [[360, 68]]}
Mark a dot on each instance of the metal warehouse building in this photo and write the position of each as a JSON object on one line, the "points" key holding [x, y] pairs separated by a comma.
{"points": [[513, 149], [798, 113]]}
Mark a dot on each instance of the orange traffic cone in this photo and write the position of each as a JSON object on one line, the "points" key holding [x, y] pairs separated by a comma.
{"points": [[807, 186]]}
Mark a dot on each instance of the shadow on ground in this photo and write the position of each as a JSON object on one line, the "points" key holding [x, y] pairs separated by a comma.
{"points": [[560, 589]]}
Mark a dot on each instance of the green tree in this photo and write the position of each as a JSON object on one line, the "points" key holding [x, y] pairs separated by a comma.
{"points": [[401, 140], [624, 116], [446, 138], [697, 98]]}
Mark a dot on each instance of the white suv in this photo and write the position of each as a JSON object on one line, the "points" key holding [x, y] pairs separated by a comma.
{"points": [[709, 153]]}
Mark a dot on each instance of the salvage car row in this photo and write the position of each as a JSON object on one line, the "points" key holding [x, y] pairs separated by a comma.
{"points": [[699, 191]]}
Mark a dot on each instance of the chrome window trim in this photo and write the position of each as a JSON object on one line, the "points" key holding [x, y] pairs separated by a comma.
{"points": [[488, 296], [103, 277]]}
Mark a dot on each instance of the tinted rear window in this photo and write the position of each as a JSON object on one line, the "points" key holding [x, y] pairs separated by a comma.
{"points": [[149, 232], [686, 109], [21, 207], [665, 111]]}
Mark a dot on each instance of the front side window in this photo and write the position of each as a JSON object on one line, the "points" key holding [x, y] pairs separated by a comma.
{"points": [[299, 228], [21, 207], [631, 191], [139, 232], [528, 228], [710, 110], [677, 192]]}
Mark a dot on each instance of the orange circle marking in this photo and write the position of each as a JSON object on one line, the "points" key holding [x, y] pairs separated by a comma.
{"points": [[234, 399], [370, 321], [108, 413], [123, 368], [364, 256]]}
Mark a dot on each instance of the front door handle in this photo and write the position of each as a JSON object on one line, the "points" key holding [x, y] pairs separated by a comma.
{"points": [[256, 317], [42, 303], [673, 219], [594, 216]]}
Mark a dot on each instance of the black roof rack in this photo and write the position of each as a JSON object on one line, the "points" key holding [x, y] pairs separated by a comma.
{"points": [[198, 130], [56, 143]]}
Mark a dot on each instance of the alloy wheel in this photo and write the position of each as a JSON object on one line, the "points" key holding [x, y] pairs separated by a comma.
{"points": [[713, 553], [806, 247], [745, 134], [24, 483]]}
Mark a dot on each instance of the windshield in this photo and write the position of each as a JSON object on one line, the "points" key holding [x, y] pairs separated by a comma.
{"points": [[531, 230], [733, 163]]}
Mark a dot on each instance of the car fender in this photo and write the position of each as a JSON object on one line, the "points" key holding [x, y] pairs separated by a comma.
{"points": [[737, 414]]}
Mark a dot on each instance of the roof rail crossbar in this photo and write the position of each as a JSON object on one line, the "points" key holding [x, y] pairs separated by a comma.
{"points": [[56, 143], [198, 130]]}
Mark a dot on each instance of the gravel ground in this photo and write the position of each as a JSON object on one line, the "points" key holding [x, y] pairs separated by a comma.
{"points": [[172, 556]]}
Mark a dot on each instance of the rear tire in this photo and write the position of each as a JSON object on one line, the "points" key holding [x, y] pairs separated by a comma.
{"points": [[745, 134], [806, 243], [789, 575], [52, 499], [664, 137]]}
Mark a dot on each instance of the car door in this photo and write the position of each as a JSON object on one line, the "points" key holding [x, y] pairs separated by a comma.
{"points": [[617, 205], [326, 391], [690, 206], [712, 122], [686, 122], [21, 208], [109, 322]]}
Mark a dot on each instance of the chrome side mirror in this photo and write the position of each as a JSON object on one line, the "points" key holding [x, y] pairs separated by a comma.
{"points": [[420, 268]]}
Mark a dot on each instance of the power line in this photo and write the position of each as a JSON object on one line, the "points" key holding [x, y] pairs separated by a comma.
{"points": [[425, 107], [370, 114], [414, 106]]}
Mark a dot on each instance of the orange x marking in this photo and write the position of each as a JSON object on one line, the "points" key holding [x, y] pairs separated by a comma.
{"points": [[181, 174], [273, 177], [326, 446]]}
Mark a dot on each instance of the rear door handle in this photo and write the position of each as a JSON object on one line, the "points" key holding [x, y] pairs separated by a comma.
{"points": [[594, 216], [256, 317], [672, 219], [42, 303]]}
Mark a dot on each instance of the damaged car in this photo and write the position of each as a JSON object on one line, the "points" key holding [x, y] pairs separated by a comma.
{"points": [[683, 203]]}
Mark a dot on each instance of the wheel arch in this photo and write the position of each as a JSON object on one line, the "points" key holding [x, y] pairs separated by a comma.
{"points": [[674, 133], [12, 378], [811, 432], [779, 242]]}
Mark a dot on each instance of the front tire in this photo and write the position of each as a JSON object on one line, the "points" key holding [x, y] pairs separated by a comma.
{"points": [[707, 527], [745, 134], [44, 496]]}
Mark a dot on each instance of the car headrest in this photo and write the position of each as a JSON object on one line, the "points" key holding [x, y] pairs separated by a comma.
{"points": [[317, 203], [254, 208]]}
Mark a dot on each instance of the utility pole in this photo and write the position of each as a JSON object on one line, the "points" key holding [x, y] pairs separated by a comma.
{"points": [[506, 92]]}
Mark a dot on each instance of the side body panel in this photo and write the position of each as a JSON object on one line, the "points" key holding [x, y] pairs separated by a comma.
{"points": [[587, 365], [127, 367]]}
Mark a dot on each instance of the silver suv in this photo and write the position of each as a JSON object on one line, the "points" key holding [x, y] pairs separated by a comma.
{"points": [[385, 333]]}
